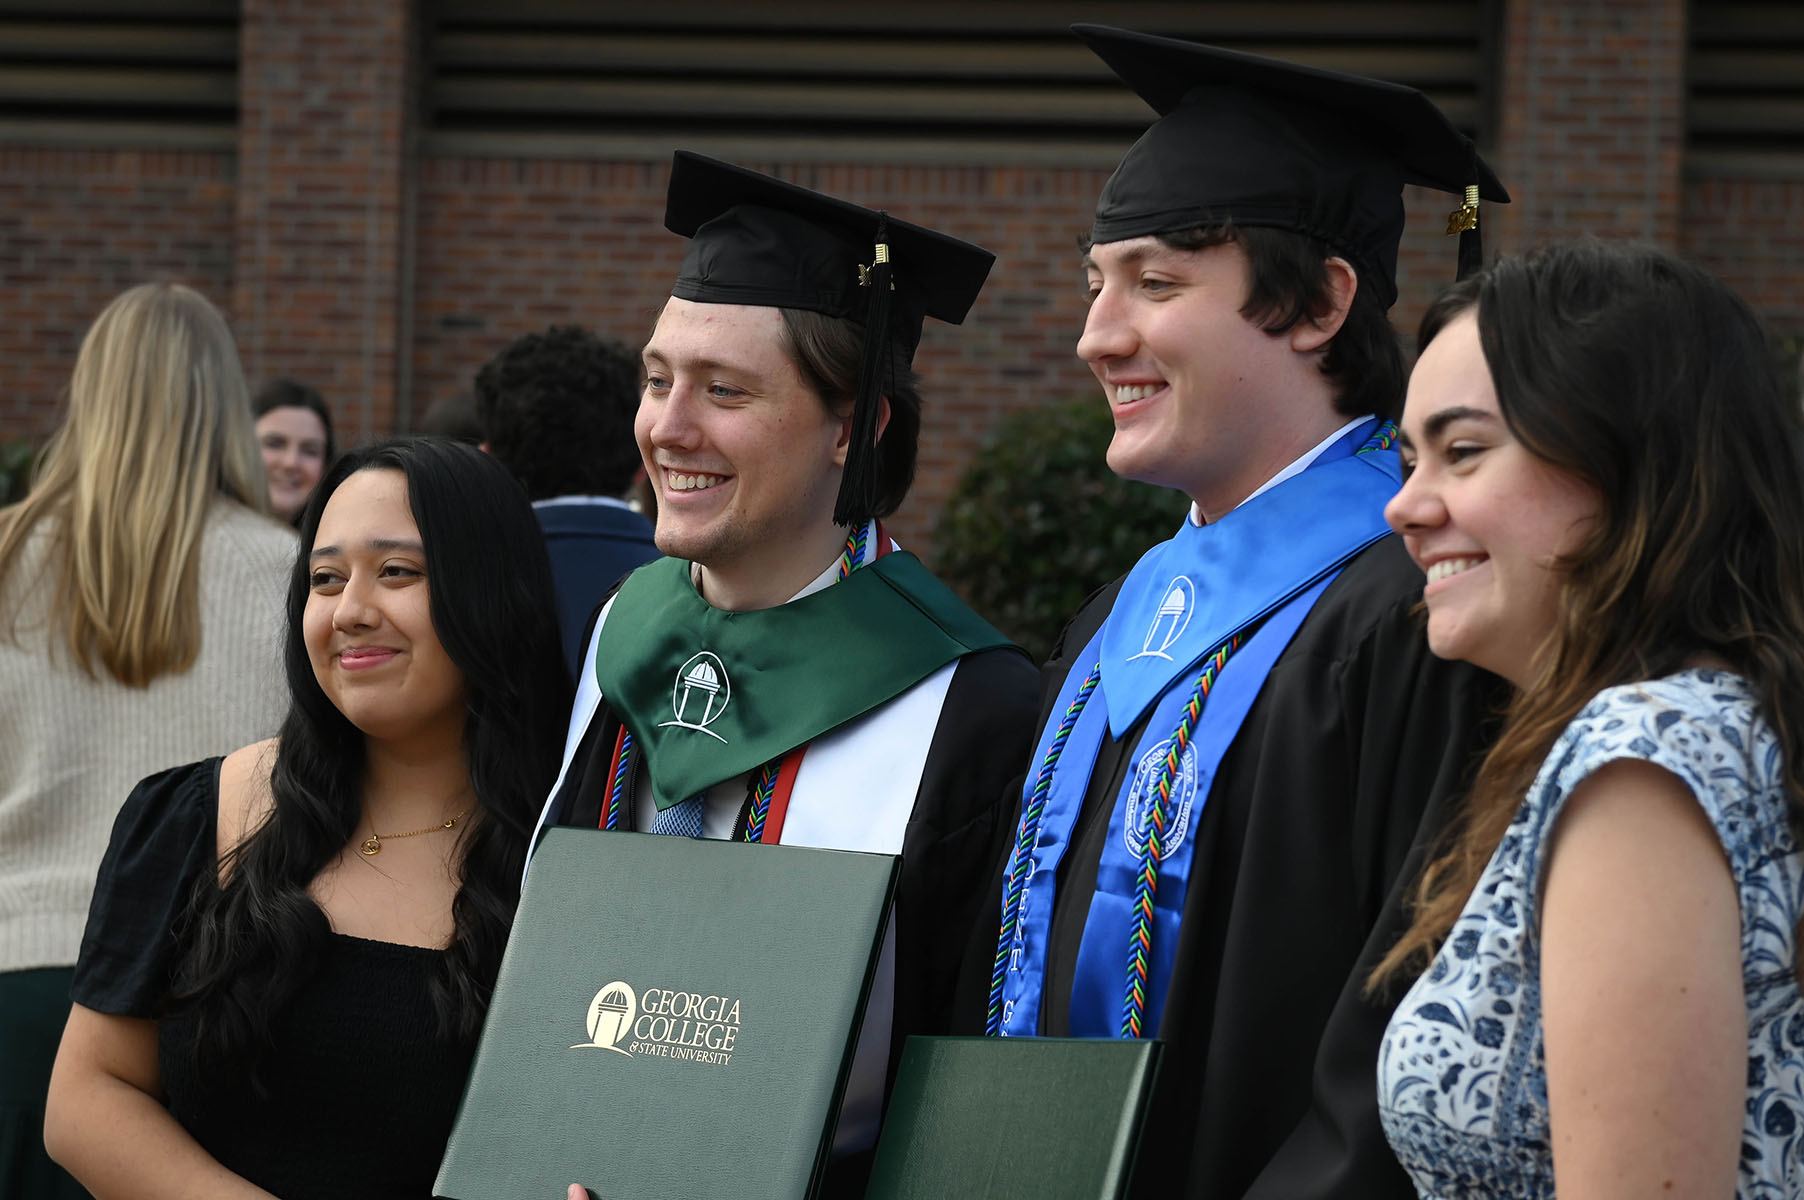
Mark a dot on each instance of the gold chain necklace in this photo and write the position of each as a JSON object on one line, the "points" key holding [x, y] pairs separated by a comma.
{"points": [[372, 845]]}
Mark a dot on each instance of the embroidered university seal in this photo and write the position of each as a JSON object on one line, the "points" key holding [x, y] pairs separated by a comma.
{"points": [[701, 694], [1140, 801], [1170, 621]]}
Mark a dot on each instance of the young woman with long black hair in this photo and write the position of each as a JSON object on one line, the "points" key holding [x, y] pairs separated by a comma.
{"points": [[291, 949]]}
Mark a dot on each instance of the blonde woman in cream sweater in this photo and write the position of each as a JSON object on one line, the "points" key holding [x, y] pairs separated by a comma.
{"points": [[140, 613]]}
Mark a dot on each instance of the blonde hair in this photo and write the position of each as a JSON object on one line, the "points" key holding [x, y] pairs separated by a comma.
{"points": [[159, 426]]}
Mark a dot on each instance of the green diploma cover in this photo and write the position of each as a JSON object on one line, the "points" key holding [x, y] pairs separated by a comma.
{"points": [[674, 1017], [1014, 1119]]}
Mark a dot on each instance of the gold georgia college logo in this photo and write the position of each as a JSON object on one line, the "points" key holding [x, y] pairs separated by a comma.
{"points": [[666, 1023], [610, 1018]]}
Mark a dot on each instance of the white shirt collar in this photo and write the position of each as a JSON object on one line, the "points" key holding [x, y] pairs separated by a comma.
{"points": [[572, 501], [824, 580], [1297, 465], [821, 582]]}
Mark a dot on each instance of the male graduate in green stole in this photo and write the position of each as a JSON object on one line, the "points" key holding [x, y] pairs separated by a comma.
{"points": [[1245, 741], [788, 674]]}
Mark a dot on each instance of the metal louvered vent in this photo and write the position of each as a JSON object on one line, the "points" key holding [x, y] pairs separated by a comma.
{"points": [[158, 73], [1746, 73], [977, 81]]}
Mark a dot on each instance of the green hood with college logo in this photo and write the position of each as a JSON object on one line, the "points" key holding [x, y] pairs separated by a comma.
{"points": [[710, 694]]}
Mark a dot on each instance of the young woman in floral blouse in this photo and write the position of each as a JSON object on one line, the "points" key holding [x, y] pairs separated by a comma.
{"points": [[1603, 488]]}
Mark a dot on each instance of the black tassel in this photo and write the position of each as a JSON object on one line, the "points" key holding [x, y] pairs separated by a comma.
{"points": [[1464, 221], [1471, 253], [858, 485]]}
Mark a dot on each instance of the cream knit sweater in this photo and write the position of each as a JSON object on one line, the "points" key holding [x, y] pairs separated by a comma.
{"points": [[72, 747]]}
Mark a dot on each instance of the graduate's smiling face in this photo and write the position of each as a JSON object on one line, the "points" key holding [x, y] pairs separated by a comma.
{"points": [[745, 456], [1186, 376], [367, 624], [1486, 520]]}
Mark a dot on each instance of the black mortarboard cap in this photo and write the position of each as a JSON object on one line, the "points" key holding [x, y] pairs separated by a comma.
{"points": [[1258, 142], [760, 241]]}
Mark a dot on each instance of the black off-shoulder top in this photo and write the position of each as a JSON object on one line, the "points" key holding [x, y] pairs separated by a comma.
{"points": [[359, 1090]]}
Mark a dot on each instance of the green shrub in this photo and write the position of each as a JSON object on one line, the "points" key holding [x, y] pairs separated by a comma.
{"points": [[15, 469], [1038, 521]]}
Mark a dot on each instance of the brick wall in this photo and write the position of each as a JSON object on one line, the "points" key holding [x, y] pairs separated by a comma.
{"points": [[386, 278], [1591, 120], [323, 120], [77, 227], [1750, 232], [505, 247]]}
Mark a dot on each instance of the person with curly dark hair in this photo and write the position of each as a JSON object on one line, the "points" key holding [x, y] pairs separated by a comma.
{"points": [[291, 948], [556, 408]]}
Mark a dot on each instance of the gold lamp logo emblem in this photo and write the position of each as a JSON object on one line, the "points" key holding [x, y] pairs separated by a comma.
{"points": [[611, 1016]]}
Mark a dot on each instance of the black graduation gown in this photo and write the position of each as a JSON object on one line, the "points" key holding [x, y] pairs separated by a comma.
{"points": [[1356, 751], [961, 816]]}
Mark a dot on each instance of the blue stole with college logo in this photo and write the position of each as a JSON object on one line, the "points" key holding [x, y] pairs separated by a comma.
{"points": [[1259, 569]]}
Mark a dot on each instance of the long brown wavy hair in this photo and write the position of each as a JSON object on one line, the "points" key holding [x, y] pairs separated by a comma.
{"points": [[1653, 382]]}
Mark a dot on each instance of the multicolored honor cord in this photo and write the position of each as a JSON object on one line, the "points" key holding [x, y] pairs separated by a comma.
{"points": [[852, 557], [1027, 834], [764, 784], [1140, 940], [619, 772], [1135, 862], [1382, 438], [762, 791]]}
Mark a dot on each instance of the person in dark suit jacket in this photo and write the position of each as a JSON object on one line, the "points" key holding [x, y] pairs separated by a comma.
{"points": [[557, 411]]}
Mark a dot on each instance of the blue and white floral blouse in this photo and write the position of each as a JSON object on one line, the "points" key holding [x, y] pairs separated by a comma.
{"points": [[1462, 1076]]}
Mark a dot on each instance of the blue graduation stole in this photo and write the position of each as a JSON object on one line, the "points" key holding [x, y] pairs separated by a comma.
{"points": [[1255, 573]]}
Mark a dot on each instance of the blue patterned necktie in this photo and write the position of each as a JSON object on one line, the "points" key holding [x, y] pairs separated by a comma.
{"points": [[682, 819]]}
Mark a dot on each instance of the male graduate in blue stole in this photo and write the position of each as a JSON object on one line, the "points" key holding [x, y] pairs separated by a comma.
{"points": [[1245, 739]]}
